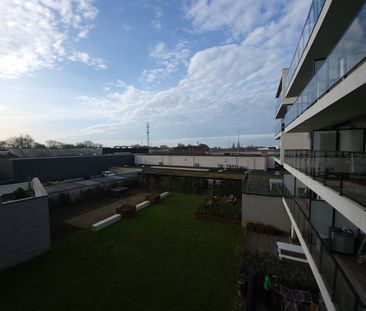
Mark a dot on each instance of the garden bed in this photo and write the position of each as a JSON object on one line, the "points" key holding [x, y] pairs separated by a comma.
{"points": [[221, 219], [228, 206]]}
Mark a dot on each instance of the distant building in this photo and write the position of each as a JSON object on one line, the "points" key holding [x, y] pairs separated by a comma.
{"points": [[20, 165], [124, 149]]}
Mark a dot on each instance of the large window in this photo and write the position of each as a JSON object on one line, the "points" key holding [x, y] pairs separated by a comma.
{"points": [[347, 140], [351, 140], [325, 140]]}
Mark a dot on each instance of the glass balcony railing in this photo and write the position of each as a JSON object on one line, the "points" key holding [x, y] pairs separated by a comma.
{"points": [[314, 12], [278, 103], [340, 288], [279, 127], [345, 172], [348, 53], [263, 184]]}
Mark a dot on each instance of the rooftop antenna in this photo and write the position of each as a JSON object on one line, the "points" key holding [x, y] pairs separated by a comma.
{"points": [[148, 134], [238, 145]]}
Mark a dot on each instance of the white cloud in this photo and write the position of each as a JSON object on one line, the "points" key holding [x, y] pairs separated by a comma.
{"points": [[36, 34], [158, 13], [166, 61], [121, 84], [225, 87], [126, 27], [86, 59], [238, 17]]}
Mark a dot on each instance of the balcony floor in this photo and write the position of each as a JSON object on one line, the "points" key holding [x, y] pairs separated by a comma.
{"points": [[356, 273]]}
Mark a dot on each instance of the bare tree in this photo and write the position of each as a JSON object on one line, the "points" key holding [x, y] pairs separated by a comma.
{"points": [[22, 141], [3, 145], [88, 144]]}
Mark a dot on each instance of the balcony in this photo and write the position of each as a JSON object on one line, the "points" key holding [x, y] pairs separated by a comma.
{"points": [[344, 172], [263, 183], [279, 127], [349, 52], [278, 103], [342, 275], [314, 12]]}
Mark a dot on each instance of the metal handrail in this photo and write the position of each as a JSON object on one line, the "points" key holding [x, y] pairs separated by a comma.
{"points": [[328, 173], [359, 302]]}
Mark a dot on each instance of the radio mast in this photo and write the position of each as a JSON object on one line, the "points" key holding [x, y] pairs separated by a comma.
{"points": [[148, 134]]}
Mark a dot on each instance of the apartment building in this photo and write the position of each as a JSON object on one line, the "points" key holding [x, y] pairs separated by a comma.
{"points": [[321, 107]]}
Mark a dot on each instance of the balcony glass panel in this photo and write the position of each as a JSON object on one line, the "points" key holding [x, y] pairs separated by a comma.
{"points": [[316, 247], [310, 22], [328, 270], [278, 127], [344, 172], [343, 295], [278, 102], [347, 54]]}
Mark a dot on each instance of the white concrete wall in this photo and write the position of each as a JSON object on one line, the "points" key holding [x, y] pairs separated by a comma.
{"points": [[294, 141], [258, 163]]}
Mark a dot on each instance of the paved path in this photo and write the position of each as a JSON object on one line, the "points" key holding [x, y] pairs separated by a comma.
{"points": [[86, 220]]}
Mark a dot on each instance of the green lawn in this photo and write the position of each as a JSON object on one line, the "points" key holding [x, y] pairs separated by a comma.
{"points": [[163, 259]]}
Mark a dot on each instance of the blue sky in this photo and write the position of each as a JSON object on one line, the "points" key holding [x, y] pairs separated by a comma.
{"points": [[196, 70]]}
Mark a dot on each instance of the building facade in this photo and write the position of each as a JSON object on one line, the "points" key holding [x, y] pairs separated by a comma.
{"points": [[321, 112], [254, 162], [59, 167]]}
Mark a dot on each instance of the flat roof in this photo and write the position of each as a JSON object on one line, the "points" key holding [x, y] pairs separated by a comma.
{"points": [[88, 182], [198, 174]]}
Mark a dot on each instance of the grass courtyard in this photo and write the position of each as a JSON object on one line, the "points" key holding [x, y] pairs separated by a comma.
{"points": [[162, 259]]}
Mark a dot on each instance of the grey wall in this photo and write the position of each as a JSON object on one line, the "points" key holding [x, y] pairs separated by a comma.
{"points": [[6, 169], [66, 167], [266, 209], [24, 230]]}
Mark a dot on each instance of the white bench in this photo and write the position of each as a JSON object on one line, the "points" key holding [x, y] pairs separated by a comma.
{"points": [[164, 195], [142, 205], [105, 222], [290, 248]]}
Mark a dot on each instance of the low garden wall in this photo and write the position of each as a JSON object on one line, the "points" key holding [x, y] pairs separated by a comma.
{"points": [[24, 228]]}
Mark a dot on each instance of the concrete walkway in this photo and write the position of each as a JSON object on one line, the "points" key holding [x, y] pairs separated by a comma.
{"points": [[85, 221]]}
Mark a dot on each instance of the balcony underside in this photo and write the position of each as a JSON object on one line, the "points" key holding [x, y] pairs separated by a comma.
{"points": [[282, 109], [333, 25], [344, 102]]}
